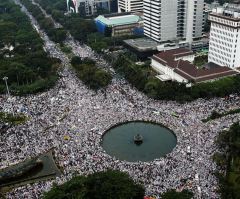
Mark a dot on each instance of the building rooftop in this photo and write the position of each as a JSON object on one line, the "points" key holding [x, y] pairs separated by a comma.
{"points": [[228, 11], [190, 71], [168, 57], [142, 44], [118, 19]]}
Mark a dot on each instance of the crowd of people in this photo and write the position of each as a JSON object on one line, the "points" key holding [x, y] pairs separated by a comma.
{"points": [[71, 109]]}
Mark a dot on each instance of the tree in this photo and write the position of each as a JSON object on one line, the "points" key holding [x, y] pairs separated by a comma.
{"points": [[47, 23], [57, 14], [7, 32], [228, 174], [27, 66], [101, 185], [89, 61], [86, 74], [59, 34], [76, 60], [151, 87], [173, 194], [215, 115], [102, 78]]}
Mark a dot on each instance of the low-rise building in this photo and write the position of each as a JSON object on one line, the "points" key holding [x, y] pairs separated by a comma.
{"points": [[143, 48], [119, 24], [176, 65]]}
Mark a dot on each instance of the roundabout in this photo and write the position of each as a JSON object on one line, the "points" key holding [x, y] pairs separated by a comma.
{"points": [[138, 141]]}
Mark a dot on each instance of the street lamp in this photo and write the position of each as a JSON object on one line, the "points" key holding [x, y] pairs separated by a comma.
{"points": [[5, 79]]}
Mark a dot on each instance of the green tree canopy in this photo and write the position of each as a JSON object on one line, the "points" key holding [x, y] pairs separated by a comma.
{"points": [[173, 194], [28, 67], [102, 78], [229, 160], [76, 60], [7, 32], [101, 185]]}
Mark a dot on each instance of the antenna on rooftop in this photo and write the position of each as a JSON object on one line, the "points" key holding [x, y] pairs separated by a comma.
{"points": [[178, 63]]}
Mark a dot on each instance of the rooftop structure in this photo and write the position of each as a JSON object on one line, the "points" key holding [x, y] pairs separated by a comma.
{"points": [[143, 48], [211, 6], [119, 24], [142, 44], [116, 20], [228, 12], [176, 65]]}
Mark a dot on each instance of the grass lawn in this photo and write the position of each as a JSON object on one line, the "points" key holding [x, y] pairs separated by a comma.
{"points": [[12, 119]]}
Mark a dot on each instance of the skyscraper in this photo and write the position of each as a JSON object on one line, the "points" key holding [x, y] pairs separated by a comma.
{"points": [[173, 19]]}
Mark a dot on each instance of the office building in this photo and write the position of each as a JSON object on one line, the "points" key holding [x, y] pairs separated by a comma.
{"points": [[167, 20], [224, 44], [130, 5]]}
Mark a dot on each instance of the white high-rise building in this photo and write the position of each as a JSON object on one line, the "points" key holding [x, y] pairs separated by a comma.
{"points": [[224, 44], [130, 5], [173, 19]]}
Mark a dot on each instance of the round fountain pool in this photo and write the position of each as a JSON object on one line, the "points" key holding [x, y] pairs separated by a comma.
{"points": [[154, 142]]}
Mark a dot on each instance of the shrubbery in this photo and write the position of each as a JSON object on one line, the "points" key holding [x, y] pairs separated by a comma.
{"points": [[94, 77]]}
